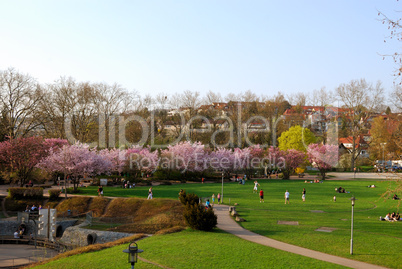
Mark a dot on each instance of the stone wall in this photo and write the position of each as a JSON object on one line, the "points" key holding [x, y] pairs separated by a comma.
{"points": [[79, 237], [8, 227]]}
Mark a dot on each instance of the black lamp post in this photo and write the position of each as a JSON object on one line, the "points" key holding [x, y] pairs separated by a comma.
{"points": [[132, 253], [353, 199]]}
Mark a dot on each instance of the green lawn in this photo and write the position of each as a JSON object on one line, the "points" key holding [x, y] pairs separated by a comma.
{"points": [[375, 241], [193, 249]]}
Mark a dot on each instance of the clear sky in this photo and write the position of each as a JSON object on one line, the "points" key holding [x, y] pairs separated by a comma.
{"points": [[219, 45]]}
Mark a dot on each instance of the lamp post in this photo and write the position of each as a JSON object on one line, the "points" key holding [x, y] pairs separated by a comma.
{"points": [[222, 186], [353, 199], [132, 253], [383, 157]]}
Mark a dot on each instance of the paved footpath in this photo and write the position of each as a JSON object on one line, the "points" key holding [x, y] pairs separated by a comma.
{"points": [[226, 223]]}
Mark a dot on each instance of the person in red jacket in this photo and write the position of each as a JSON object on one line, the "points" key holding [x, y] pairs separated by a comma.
{"points": [[261, 196]]}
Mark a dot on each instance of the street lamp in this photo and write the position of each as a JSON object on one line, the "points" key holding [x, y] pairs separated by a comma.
{"points": [[353, 199], [132, 253], [383, 157], [222, 186]]}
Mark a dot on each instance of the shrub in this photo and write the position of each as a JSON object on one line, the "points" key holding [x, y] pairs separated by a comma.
{"points": [[72, 191], [54, 194], [16, 193], [199, 218], [25, 193], [34, 193], [190, 198]]}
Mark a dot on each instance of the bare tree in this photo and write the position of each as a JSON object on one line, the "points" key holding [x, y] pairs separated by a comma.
{"points": [[298, 99], [234, 97], [212, 97], [84, 120], [395, 29], [57, 106], [362, 100], [321, 97], [249, 96], [111, 101], [20, 96], [191, 99], [396, 97]]}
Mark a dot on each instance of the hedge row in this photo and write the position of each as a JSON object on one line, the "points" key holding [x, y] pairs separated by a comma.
{"points": [[25, 193], [54, 194]]}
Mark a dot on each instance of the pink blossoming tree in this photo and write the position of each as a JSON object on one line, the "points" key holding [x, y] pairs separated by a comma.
{"points": [[75, 161], [323, 157], [19, 156]]}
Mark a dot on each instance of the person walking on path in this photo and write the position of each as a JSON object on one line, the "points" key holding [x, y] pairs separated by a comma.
{"points": [[304, 194], [100, 191], [261, 196], [150, 193], [219, 198], [287, 197], [213, 198], [255, 190]]}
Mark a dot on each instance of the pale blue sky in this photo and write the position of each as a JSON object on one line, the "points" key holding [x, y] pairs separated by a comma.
{"points": [[223, 46]]}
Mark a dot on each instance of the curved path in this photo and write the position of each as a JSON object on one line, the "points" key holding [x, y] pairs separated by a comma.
{"points": [[226, 223]]}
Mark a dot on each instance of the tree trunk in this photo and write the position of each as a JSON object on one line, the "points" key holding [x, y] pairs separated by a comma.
{"points": [[323, 173], [286, 174]]}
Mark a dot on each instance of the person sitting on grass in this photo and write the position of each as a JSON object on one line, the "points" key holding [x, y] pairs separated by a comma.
{"points": [[397, 217], [393, 216], [388, 217], [395, 197]]}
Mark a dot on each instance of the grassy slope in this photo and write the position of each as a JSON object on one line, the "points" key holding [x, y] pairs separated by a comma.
{"points": [[374, 241], [193, 249]]}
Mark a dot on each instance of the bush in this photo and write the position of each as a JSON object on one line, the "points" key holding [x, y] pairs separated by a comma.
{"points": [[188, 199], [54, 194], [199, 218], [25, 193], [195, 214], [72, 191]]}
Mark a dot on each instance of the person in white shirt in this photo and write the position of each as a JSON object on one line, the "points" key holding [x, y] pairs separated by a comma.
{"points": [[150, 193], [255, 190], [287, 197]]}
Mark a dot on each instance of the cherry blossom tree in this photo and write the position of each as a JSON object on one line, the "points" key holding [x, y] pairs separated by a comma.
{"points": [[323, 157], [75, 161], [184, 157], [286, 160], [222, 159], [19, 156], [54, 143], [141, 160], [248, 159], [117, 157]]}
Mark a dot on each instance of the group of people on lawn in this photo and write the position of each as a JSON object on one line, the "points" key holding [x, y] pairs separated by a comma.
{"points": [[392, 217]]}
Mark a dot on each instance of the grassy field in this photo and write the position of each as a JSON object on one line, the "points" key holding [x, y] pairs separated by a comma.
{"points": [[193, 249], [375, 241]]}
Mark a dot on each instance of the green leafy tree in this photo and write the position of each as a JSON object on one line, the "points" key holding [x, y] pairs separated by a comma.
{"points": [[297, 138]]}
